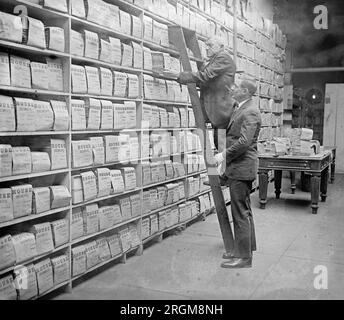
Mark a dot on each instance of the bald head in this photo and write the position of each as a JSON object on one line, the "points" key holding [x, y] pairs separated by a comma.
{"points": [[245, 89], [213, 46]]}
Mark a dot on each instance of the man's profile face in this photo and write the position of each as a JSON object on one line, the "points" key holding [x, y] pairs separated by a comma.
{"points": [[239, 92], [212, 48]]}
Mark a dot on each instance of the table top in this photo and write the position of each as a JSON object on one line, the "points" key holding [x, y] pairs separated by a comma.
{"points": [[316, 157]]}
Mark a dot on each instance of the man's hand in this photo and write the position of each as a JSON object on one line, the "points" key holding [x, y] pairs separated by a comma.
{"points": [[219, 158], [170, 74]]}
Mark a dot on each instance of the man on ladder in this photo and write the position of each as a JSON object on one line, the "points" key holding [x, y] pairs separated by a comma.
{"points": [[216, 81]]}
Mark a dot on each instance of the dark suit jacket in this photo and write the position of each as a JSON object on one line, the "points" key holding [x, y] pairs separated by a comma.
{"points": [[215, 79], [241, 153]]}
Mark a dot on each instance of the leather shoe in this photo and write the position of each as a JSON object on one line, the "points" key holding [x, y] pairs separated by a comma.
{"points": [[237, 263], [228, 255]]}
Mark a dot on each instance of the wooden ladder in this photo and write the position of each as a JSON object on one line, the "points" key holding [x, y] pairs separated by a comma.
{"points": [[182, 39]]}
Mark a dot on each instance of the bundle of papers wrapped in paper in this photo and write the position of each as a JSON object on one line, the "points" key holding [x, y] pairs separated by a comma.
{"points": [[297, 141]]}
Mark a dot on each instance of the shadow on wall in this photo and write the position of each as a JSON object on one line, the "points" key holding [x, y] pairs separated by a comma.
{"points": [[312, 47]]}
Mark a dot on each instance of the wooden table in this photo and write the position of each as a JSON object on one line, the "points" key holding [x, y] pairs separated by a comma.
{"points": [[316, 166], [333, 162]]}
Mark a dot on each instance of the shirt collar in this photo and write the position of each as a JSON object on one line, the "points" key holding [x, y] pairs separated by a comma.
{"points": [[242, 103]]}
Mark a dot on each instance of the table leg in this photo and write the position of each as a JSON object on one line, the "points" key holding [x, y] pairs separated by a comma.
{"points": [[315, 186], [323, 184], [263, 187], [333, 166], [278, 182], [292, 181]]}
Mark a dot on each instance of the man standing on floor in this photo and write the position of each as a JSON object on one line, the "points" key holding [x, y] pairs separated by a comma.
{"points": [[241, 164], [215, 80]]}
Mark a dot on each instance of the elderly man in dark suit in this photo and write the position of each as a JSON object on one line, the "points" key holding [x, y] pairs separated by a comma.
{"points": [[215, 80], [241, 163]]}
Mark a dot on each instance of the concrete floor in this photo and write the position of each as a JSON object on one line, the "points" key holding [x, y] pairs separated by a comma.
{"points": [[291, 243]]}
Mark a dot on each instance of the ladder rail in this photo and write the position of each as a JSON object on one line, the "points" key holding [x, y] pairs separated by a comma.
{"points": [[179, 37]]}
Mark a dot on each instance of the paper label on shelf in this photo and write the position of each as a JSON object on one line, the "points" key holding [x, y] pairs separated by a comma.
{"points": [[78, 9], [107, 115], [129, 178], [127, 55], [125, 208], [144, 145], [92, 254], [44, 115], [137, 56], [147, 28], [148, 83], [5, 75], [93, 80], [163, 118], [155, 117], [134, 236], [154, 172], [146, 206], [146, 115], [97, 144], [58, 155], [44, 237], [169, 169], [125, 239], [41, 199], [115, 245], [60, 230], [36, 34], [147, 59], [119, 116], [133, 87], [136, 27], [59, 5], [105, 51], [55, 73], [145, 229], [77, 230], [120, 84], [11, 27], [146, 174], [60, 196], [5, 160], [111, 149], [79, 83], [125, 22], [112, 18], [116, 50], [130, 109], [124, 151], [77, 45], [7, 288], [78, 260], [61, 117], [103, 181], [91, 44], [93, 111], [6, 206], [24, 246], [26, 275], [134, 148], [39, 75], [153, 199], [7, 118], [25, 114], [44, 273], [135, 201], [154, 224], [91, 221], [7, 252], [106, 217], [89, 185], [103, 249], [78, 114], [96, 11], [162, 172], [117, 181], [60, 269], [106, 82], [21, 160]]}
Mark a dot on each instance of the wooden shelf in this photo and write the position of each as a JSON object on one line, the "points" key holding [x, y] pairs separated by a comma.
{"points": [[33, 175], [32, 217], [34, 91], [33, 133]]}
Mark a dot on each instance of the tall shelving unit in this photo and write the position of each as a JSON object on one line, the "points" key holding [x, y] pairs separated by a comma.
{"points": [[64, 176]]}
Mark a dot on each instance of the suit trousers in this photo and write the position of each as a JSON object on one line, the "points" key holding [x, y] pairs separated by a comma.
{"points": [[244, 233]]}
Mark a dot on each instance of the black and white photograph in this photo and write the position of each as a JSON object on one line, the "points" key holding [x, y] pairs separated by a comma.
{"points": [[171, 150]]}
